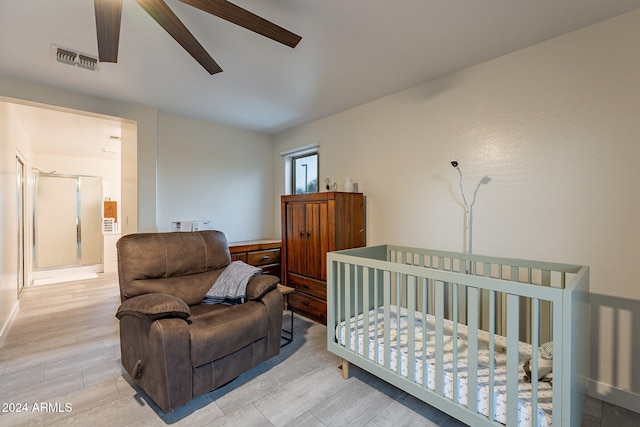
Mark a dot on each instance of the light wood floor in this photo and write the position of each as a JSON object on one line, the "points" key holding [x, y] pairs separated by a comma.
{"points": [[63, 352]]}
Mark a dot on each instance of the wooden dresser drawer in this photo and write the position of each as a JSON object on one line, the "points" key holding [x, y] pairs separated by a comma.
{"points": [[311, 307], [269, 256], [261, 253], [272, 269], [308, 285], [242, 256]]}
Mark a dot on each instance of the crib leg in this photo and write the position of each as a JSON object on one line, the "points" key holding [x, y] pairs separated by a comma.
{"points": [[345, 369]]}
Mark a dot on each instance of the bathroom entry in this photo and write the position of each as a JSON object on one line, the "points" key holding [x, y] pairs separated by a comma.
{"points": [[67, 221], [20, 203]]}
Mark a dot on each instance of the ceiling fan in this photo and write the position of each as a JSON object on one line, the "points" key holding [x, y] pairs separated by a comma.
{"points": [[109, 14]]}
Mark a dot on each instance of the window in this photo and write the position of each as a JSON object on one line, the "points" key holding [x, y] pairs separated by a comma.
{"points": [[301, 169], [305, 173]]}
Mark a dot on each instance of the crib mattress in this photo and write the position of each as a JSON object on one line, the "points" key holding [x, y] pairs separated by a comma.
{"points": [[375, 353]]}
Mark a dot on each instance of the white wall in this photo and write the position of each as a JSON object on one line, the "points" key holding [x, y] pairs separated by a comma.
{"points": [[556, 128], [13, 140], [208, 171]]}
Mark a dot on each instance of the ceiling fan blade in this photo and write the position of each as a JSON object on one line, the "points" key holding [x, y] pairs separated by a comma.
{"points": [[164, 16], [242, 17], [108, 16]]}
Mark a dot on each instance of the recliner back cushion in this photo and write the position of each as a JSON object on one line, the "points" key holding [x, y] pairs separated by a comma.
{"points": [[181, 264]]}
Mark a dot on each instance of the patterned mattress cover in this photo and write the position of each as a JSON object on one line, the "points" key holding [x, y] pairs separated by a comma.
{"points": [[376, 334]]}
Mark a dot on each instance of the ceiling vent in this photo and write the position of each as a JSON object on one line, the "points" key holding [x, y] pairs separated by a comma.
{"points": [[70, 57]]}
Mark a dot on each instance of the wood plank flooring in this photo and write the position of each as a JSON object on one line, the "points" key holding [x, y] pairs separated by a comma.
{"points": [[60, 365]]}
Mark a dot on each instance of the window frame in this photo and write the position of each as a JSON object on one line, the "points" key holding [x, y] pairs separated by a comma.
{"points": [[303, 155]]}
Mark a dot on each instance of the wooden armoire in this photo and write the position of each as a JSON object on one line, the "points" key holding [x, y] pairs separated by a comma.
{"points": [[312, 225]]}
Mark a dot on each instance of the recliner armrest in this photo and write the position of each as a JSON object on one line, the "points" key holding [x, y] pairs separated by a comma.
{"points": [[154, 306], [259, 285]]}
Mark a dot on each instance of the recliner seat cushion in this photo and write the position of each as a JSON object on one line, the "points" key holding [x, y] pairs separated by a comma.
{"points": [[218, 330]]}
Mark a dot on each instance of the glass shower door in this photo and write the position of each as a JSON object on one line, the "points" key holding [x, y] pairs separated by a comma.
{"points": [[56, 222], [67, 221]]}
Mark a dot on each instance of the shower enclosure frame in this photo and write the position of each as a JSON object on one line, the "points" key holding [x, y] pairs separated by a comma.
{"points": [[78, 223]]}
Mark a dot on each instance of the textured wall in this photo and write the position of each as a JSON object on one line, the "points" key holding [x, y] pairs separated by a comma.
{"points": [[555, 127]]}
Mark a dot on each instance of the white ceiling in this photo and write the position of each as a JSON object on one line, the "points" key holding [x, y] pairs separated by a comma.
{"points": [[352, 51]]}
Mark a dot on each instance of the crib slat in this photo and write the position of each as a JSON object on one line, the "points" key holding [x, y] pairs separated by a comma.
{"points": [[456, 323], [376, 303], [366, 305], [492, 367], [513, 326], [347, 306], [411, 328], [439, 356], [356, 306], [562, 387], [339, 295], [400, 281], [535, 323], [362, 306], [387, 320], [425, 370], [472, 343]]}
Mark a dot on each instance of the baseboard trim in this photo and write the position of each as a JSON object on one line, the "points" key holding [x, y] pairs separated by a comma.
{"points": [[610, 394], [7, 325]]}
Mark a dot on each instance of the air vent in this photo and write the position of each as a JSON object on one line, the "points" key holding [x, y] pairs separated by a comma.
{"points": [[66, 56], [87, 62], [70, 57]]}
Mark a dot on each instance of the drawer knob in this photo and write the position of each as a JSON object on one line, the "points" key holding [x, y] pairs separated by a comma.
{"points": [[266, 257]]}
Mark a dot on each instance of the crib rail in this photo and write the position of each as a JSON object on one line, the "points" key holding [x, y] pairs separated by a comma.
{"points": [[493, 298]]}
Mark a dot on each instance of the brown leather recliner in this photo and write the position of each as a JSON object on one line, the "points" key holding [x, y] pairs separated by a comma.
{"points": [[174, 347]]}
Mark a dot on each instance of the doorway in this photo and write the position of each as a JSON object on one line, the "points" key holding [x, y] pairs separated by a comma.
{"points": [[71, 142], [20, 214]]}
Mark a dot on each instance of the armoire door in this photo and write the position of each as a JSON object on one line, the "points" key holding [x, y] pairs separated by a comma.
{"points": [[296, 239], [307, 239], [317, 240]]}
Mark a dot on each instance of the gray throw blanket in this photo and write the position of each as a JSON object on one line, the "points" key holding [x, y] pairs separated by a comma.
{"points": [[231, 286]]}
